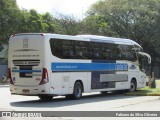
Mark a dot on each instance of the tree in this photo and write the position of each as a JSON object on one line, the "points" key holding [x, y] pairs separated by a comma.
{"points": [[49, 21], [96, 25], [32, 22], [9, 14], [68, 25]]}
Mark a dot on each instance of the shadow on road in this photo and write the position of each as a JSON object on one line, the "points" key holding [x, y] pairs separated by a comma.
{"points": [[59, 102]]}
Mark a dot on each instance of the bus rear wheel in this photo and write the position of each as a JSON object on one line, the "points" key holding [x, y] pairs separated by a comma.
{"points": [[77, 92], [45, 97]]}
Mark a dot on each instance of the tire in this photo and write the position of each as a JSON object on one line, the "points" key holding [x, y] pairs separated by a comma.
{"points": [[133, 86], [45, 97], [77, 92]]}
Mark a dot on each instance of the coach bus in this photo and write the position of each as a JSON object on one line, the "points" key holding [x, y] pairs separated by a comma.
{"points": [[48, 65]]}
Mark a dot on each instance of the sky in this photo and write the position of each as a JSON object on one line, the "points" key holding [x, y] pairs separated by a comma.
{"points": [[76, 8]]}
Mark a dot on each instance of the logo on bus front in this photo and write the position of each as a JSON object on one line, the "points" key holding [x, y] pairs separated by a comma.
{"points": [[25, 42]]}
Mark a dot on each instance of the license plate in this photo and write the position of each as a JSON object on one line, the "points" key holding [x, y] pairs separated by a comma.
{"points": [[25, 91]]}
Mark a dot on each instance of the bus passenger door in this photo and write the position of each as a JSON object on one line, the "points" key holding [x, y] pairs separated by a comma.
{"points": [[65, 83]]}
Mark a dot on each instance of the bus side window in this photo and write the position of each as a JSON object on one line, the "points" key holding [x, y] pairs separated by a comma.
{"points": [[95, 51], [127, 53]]}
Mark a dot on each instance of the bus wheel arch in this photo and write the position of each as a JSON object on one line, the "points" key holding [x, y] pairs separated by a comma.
{"points": [[133, 85]]}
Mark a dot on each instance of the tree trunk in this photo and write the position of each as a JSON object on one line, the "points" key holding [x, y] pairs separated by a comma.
{"points": [[153, 64]]}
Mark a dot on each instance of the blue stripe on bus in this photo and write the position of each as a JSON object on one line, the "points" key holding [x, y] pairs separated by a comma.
{"points": [[26, 71], [57, 66]]}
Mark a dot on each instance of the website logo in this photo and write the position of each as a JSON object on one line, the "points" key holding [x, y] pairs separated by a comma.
{"points": [[6, 114]]}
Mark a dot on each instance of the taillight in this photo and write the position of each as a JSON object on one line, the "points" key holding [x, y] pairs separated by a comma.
{"points": [[44, 77], [10, 76]]}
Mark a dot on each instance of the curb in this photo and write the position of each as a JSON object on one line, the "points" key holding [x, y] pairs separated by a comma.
{"points": [[4, 109], [4, 85]]}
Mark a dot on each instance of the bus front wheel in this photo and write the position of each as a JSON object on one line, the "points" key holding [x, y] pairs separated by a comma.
{"points": [[133, 86]]}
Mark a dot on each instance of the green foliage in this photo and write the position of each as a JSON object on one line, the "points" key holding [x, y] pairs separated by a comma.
{"points": [[8, 17], [95, 25], [128, 18]]}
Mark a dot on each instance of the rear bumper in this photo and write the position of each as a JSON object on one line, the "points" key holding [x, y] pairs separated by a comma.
{"points": [[29, 90]]}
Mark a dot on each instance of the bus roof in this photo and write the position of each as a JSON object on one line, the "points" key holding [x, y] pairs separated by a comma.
{"points": [[109, 39]]}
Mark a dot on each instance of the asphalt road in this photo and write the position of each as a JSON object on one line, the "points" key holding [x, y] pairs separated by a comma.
{"points": [[89, 102]]}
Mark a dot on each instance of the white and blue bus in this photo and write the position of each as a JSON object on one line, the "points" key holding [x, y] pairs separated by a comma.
{"points": [[48, 65]]}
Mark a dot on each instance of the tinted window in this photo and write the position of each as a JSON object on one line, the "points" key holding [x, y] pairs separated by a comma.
{"points": [[95, 51], [73, 49], [70, 49], [127, 52]]}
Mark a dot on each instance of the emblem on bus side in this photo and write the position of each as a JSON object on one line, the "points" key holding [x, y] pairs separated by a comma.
{"points": [[132, 67], [25, 42]]}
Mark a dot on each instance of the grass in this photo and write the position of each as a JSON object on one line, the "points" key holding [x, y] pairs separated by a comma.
{"points": [[147, 91]]}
